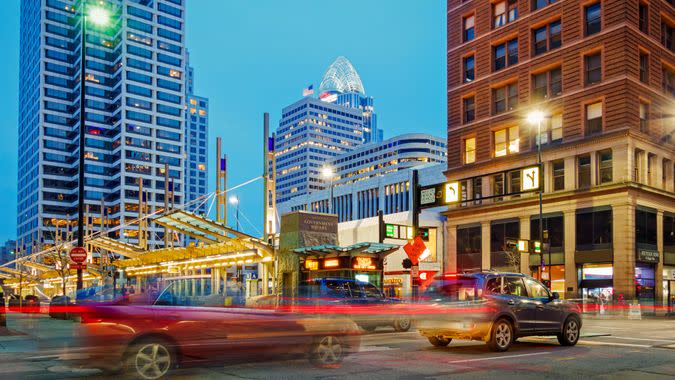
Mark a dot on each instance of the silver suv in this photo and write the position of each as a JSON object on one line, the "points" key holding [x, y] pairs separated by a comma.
{"points": [[496, 308]]}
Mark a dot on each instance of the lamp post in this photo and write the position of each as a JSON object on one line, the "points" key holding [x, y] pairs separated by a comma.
{"points": [[537, 117], [100, 17], [234, 200], [327, 173]]}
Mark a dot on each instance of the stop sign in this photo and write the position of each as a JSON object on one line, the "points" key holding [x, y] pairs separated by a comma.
{"points": [[78, 254]]}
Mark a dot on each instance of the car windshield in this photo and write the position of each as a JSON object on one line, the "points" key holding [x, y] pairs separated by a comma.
{"points": [[455, 288]]}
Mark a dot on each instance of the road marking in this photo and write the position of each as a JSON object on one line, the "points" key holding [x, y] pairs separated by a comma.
{"points": [[497, 357], [594, 343], [376, 348], [645, 339]]}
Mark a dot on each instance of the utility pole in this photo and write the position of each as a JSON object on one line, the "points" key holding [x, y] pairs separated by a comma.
{"points": [[414, 186], [221, 184]]}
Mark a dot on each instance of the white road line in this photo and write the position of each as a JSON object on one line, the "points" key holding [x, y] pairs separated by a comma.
{"points": [[645, 339], [497, 358], [595, 343]]}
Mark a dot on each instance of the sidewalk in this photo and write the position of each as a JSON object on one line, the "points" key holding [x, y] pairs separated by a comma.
{"points": [[37, 333]]}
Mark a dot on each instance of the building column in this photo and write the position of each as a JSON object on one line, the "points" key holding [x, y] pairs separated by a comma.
{"points": [[623, 237], [485, 245], [658, 274], [570, 173], [450, 257], [571, 281], [525, 235]]}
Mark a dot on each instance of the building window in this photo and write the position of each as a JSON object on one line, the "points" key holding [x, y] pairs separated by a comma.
{"points": [[469, 28], [505, 98], [469, 105], [644, 117], [645, 228], [593, 68], [546, 38], [644, 67], [556, 231], [669, 233], [667, 31], [505, 54], [605, 166], [469, 69], [593, 118], [592, 19], [552, 130], [643, 17], [469, 249], [477, 184], [507, 141], [500, 231], [668, 81], [558, 175], [504, 12], [514, 183], [584, 171], [594, 229], [538, 4], [547, 85], [498, 186], [469, 150]]}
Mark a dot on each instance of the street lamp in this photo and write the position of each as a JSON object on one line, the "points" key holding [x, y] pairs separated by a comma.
{"points": [[328, 174], [234, 200], [537, 117], [100, 17]]}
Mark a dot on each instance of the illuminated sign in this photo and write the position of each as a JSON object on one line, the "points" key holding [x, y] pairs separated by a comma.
{"points": [[364, 263], [390, 231], [523, 245], [409, 232], [331, 263], [530, 178], [452, 192], [361, 277], [427, 196], [311, 264]]}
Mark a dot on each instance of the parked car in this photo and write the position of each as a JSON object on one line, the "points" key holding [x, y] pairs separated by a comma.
{"points": [[496, 308], [61, 307], [30, 304], [363, 302], [148, 340]]}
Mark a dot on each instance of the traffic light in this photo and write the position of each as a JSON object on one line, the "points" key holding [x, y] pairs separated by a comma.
{"points": [[423, 232], [536, 245], [407, 263]]}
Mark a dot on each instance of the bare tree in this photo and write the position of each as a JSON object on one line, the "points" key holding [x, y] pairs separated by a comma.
{"points": [[59, 254], [513, 259]]}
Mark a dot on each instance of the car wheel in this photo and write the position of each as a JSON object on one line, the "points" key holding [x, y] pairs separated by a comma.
{"points": [[501, 336], [402, 324], [327, 352], [149, 360], [437, 341], [570, 333]]}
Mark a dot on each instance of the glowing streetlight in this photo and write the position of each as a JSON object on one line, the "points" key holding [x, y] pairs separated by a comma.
{"points": [[98, 16], [234, 200], [327, 173], [536, 117]]}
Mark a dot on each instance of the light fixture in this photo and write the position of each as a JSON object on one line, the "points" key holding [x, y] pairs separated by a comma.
{"points": [[234, 199], [535, 117], [327, 172], [99, 16]]}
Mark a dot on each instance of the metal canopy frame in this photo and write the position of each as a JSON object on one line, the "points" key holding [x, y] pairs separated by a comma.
{"points": [[112, 245]]}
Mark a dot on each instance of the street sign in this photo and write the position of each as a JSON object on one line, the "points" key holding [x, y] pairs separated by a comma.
{"points": [[398, 231], [78, 255], [530, 178], [439, 195], [77, 266], [414, 249]]}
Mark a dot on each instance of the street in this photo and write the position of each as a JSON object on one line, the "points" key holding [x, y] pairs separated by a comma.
{"points": [[609, 348]]}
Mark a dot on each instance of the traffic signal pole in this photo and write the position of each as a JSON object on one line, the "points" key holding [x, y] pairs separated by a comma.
{"points": [[414, 273]]}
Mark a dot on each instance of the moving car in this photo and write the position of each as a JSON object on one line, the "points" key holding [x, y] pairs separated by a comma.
{"points": [[496, 308], [148, 340], [363, 302]]}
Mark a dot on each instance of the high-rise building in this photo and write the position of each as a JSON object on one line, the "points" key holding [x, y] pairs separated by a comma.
{"points": [[196, 145], [342, 85], [601, 75], [311, 133], [135, 118]]}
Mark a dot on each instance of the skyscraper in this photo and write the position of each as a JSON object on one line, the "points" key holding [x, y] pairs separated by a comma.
{"points": [[135, 120], [312, 132], [196, 144]]}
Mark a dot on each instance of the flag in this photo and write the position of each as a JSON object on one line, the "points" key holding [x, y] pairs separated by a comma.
{"points": [[308, 90]]}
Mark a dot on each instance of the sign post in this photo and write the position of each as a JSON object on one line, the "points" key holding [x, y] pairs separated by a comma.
{"points": [[78, 255]]}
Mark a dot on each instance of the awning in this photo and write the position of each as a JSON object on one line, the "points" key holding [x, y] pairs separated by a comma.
{"points": [[368, 248]]}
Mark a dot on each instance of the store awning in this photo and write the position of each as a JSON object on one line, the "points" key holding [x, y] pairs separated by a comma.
{"points": [[368, 248]]}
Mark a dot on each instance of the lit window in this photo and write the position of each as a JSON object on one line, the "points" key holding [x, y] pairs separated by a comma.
{"points": [[174, 73], [470, 150], [201, 167], [193, 110], [202, 112], [193, 102], [507, 141]]}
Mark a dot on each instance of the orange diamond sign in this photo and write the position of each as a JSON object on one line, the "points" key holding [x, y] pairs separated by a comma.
{"points": [[414, 249]]}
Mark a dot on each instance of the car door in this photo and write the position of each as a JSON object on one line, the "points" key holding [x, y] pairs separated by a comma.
{"points": [[519, 303], [548, 313]]}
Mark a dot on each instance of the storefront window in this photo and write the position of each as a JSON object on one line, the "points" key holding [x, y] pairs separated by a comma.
{"points": [[469, 249], [594, 229], [500, 231], [645, 284]]}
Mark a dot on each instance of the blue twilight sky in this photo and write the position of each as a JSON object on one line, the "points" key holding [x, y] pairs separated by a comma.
{"points": [[255, 56]]}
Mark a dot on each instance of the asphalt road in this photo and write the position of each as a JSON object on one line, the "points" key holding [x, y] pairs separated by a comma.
{"points": [[608, 349]]}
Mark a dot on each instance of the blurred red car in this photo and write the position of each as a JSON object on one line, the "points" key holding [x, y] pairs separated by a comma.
{"points": [[148, 340]]}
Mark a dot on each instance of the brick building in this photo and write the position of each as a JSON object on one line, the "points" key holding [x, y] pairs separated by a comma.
{"points": [[603, 74]]}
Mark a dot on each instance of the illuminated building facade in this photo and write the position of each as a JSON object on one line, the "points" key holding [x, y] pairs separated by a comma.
{"points": [[603, 75], [196, 146], [135, 112]]}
